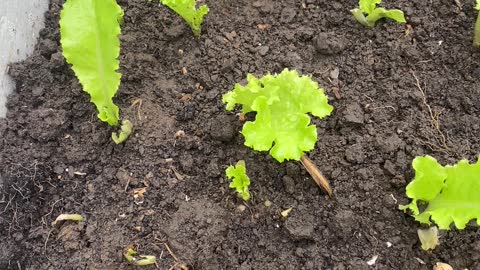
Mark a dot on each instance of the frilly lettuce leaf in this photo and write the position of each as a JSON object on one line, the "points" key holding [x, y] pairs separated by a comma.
{"points": [[281, 102], [240, 179], [187, 10], [452, 192], [89, 37], [369, 7]]}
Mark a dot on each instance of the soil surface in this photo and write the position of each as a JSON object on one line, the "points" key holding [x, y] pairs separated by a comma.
{"points": [[398, 92]]}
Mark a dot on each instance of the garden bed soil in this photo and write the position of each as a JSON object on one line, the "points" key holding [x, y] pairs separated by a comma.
{"points": [[390, 87]]}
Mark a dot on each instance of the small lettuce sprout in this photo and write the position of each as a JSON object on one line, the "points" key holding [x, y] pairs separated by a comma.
{"points": [[373, 14], [476, 31], [428, 238], [282, 103], [186, 9], [450, 191], [125, 131], [240, 179], [70, 217], [140, 260]]}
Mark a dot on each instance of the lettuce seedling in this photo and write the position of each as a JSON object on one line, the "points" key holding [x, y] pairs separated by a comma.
{"points": [[89, 38], [450, 191], [125, 131], [187, 10], [240, 179], [476, 31], [132, 256], [373, 14], [282, 103]]}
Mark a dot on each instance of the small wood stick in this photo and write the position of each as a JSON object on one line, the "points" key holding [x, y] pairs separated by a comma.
{"points": [[317, 175]]}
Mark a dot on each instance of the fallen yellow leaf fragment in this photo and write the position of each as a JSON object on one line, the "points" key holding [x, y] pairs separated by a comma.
{"points": [[442, 266], [71, 217], [140, 260], [139, 191], [285, 213], [428, 238]]}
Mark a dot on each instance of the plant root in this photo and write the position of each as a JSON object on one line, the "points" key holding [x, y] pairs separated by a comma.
{"points": [[434, 120], [137, 103]]}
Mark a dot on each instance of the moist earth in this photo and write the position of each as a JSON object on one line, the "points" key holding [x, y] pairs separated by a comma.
{"points": [[398, 92]]}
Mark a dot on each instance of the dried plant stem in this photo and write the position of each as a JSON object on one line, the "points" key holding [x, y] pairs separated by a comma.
{"points": [[317, 175]]}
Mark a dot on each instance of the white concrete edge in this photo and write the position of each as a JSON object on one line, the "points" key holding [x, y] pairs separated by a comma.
{"points": [[20, 23]]}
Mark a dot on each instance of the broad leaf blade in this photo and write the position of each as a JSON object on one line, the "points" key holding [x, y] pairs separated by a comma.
{"points": [[368, 6], [396, 15], [89, 37], [452, 192], [459, 201], [429, 179], [381, 13]]}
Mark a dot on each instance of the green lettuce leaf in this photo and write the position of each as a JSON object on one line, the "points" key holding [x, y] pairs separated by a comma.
{"points": [[89, 37], [281, 102], [187, 10], [368, 6], [477, 7], [374, 14], [240, 179], [452, 192], [125, 130]]}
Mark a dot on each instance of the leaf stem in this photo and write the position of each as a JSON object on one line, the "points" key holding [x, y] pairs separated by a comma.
{"points": [[360, 17]]}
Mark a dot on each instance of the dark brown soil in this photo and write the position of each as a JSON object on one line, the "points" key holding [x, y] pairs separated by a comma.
{"points": [[57, 157]]}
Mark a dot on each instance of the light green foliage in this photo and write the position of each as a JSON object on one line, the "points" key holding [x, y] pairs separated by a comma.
{"points": [[281, 102], [452, 192], [373, 14], [125, 131], [187, 10], [240, 179], [140, 260], [476, 31], [89, 37]]}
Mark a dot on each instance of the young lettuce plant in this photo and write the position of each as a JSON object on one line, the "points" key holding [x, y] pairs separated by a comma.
{"points": [[89, 38], [282, 124], [450, 191], [187, 10], [240, 179], [373, 14], [476, 31]]}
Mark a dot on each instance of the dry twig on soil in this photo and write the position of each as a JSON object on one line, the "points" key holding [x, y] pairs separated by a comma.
{"points": [[316, 175], [177, 261]]}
